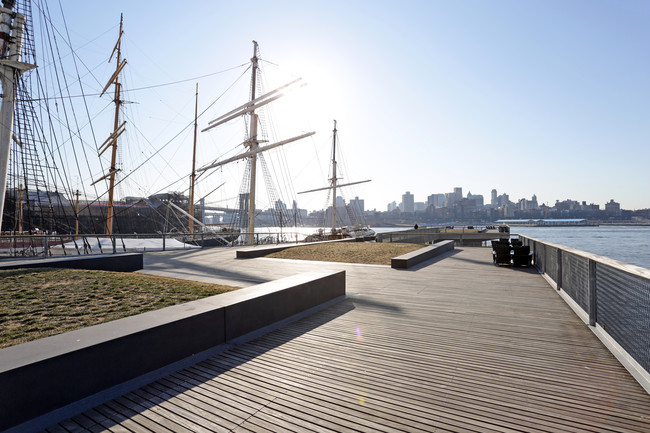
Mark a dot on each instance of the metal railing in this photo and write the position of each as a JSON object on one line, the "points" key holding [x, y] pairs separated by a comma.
{"points": [[463, 236], [47, 245], [614, 296]]}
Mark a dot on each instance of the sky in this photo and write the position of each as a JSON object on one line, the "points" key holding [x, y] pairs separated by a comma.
{"points": [[549, 97]]}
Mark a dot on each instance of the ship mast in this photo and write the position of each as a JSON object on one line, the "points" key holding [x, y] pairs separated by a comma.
{"points": [[193, 175], [12, 25], [333, 180], [118, 129], [252, 143]]}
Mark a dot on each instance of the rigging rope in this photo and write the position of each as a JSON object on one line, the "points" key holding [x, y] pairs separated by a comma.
{"points": [[153, 86]]}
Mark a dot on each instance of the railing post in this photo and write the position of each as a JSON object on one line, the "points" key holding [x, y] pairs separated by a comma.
{"points": [[558, 283], [114, 244], [593, 308], [46, 246], [163, 241]]}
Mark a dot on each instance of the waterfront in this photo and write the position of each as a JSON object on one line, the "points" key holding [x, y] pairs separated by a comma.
{"points": [[629, 244]]}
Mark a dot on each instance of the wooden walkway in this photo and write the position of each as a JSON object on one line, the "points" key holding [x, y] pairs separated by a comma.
{"points": [[455, 345]]}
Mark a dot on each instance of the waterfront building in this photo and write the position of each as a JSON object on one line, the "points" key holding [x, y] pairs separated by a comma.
{"points": [[477, 198], [357, 207], [613, 208], [357, 204], [280, 206], [436, 200], [408, 202]]}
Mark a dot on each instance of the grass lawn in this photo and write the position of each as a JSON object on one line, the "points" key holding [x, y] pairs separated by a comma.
{"points": [[36, 303], [376, 253]]}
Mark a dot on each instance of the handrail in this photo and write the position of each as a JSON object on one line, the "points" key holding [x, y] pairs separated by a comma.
{"points": [[612, 297]]}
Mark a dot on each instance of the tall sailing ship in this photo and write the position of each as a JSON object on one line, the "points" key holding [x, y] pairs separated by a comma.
{"points": [[39, 195], [358, 229], [253, 151]]}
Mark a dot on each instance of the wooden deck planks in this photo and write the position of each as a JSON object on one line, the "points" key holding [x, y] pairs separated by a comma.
{"points": [[458, 345]]}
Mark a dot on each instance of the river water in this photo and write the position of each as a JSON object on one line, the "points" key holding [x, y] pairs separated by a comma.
{"points": [[629, 244]]}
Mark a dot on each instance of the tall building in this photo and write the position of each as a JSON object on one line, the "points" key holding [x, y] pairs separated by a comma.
{"points": [[458, 192], [357, 205], [408, 202], [280, 206], [436, 200], [391, 206], [477, 198], [493, 200], [613, 208]]}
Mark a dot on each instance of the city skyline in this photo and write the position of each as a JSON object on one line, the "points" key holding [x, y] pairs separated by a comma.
{"points": [[487, 201], [545, 97]]}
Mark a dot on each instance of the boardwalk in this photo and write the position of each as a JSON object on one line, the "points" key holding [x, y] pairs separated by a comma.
{"points": [[454, 345]]}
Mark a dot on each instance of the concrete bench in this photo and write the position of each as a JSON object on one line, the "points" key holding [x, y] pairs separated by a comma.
{"points": [[262, 251], [413, 258], [42, 381], [122, 262]]}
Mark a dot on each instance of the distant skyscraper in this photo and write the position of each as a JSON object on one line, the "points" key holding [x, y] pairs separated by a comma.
{"points": [[391, 206], [408, 202], [493, 200], [477, 198], [439, 200], [280, 206], [613, 208], [357, 205]]}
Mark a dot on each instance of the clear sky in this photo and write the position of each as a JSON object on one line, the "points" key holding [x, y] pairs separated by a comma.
{"points": [[529, 97]]}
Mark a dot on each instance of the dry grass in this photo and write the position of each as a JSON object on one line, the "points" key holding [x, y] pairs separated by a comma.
{"points": [[36, 303], [348, 252]]}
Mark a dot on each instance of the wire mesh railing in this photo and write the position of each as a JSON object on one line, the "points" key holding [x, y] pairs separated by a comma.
{"points": [[614, 295]]}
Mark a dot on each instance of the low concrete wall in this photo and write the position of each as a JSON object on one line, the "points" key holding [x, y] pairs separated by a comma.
{"points": [[123, 262], [45, 375], [262, 251], [413, 258], [462, 237]]}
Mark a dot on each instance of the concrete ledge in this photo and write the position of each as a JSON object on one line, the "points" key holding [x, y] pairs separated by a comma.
{"points": [[48, 374], [413, 258], [123, 262], [261, 251]]}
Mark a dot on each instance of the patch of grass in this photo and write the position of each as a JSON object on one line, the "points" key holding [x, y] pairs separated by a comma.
{"points": [[36, 303], [375, 253]]}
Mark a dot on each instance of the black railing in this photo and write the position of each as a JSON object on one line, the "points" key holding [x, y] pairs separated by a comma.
{"points": [[614, 297]]}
